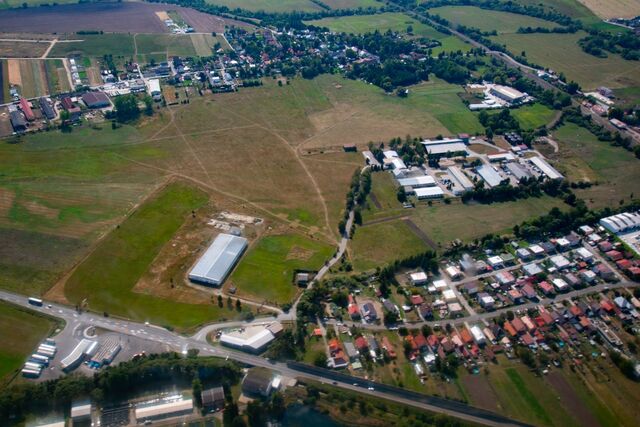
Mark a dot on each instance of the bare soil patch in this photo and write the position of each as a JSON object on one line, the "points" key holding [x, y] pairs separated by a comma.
{"points": [[483, 149], [613, 8], [14, 72], [13, 49], [571, 401], [480, 392], [6, 201], [299, 253], [162, 15], [40, 209]]}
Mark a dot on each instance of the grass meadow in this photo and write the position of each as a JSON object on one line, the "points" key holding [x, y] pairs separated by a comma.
{"points": [[583, 157], [266, 271], [489, 20], [561, 53], [106, 277], [277, 6], [533, 116], [21, 332]]}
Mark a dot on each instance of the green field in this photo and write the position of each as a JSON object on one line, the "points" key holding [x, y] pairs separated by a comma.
{"points": [[21, 331], [441, 100], [376, 245], [583, 157], [561, 53], [489, 20], [278, 6], [352, 4], [266, 271], [4, 4], [105, 279], [96, 45], [533, 116]]}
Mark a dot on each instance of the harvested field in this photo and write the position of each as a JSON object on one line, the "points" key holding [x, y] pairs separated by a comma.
{"points": [[571, 401], [613, 8], [12, 49], [125, 17], [162, 15], [480, 392], [15, 78]]}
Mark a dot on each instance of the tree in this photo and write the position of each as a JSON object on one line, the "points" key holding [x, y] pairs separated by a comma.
{"points": [[229, 303], [126, 108], [196, 386], [148, 105], [220, 303], [256, 414], [401, 194], [277, 408], [320, 359], [238, 305]]}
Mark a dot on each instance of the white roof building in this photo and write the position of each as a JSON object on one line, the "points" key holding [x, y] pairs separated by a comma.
{"points": [[417, 181], [390, 154], [449, 295], [429, 193], [537, 250], [584, 254], [621, 222], [495, 261], [164, 410], [477, 334], [252, 339], [545, 168], [453, 272], [216, 263], [460, 179], [559, 262], [560, 285], [418, 278]]}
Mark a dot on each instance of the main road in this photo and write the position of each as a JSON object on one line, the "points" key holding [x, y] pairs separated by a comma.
{"points": [[182, 343]]}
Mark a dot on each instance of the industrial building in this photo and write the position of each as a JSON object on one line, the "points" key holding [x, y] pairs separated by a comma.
{"points": [[509, 94], [80, 411], [257, 382], [459, 179], [544, 167], [96, 100], [417, 181], [489, 175], [517, 171], [216, 263], [252, 339], [212, 399], [164, 410], [622, 222], [108, 350], [429, 193]]}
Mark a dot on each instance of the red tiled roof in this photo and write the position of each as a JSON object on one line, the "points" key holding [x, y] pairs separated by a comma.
{"points": [[416, 299], [361, 343]]}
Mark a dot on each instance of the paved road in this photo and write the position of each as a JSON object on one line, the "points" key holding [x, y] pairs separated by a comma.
{"points": [[181, 344]]}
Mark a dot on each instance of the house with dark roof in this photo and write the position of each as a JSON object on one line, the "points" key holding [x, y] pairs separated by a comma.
{"points": [[212, 399], [18, 122], [96, 100], [47, 108], [257, 382]]}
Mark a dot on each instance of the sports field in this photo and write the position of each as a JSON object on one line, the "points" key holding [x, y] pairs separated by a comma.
{"points": [[265, 273], [489, 20], [278, 6], [21, 332], [561, 53], [583, 157]]}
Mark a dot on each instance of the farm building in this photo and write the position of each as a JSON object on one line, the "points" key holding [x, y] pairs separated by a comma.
{"points": [[518, 171], [548, 170], [153, 86], [164, 410], [370, 159], [47, 108], [25, 106], [96, 100], [216, 263], [429, 193], [18, 122]]}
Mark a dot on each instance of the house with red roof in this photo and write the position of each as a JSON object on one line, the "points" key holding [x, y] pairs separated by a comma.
{"points": [[510, 329], [361, 344], [466, 336], [624, 264], [518, 325], [546, 288], [417, 299], [354, 312], [386, 346], [421, 342], [25, 106], [614, 255]]}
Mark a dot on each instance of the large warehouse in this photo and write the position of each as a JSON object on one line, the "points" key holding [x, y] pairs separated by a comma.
{"points": [[216, 263]]}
